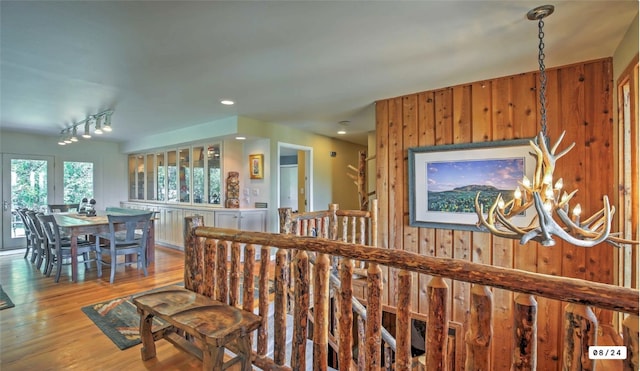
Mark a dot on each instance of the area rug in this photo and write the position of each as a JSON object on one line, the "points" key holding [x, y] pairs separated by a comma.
{"points": [[5, 301], [119, 319]]}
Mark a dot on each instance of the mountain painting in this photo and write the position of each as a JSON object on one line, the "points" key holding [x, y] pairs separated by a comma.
{"points": [[452, 186]]}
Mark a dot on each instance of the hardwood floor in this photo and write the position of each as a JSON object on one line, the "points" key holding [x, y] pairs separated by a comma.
{"points": [[46, 330]]}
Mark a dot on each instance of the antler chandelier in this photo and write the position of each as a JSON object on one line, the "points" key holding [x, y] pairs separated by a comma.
{"points": [[540, 193]]}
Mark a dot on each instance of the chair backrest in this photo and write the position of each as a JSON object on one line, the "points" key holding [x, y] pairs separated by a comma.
{"points": [[132, 224], [22, 212], [62, 208], [36, 226], [50, 228]]}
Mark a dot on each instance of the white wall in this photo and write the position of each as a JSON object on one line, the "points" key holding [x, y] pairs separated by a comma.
{"points": [[110, 166], [330, 182]]}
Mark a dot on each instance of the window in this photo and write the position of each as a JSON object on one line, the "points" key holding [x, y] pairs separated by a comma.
{"points": [[77, 181], [190, 175]]}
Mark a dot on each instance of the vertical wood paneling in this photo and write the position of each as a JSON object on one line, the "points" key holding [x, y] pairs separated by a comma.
{"points": [[382, 179], [525, 125], [502, 128], [396, 192], [578, 101], [444, 135], [572, 165], [426, 242], [461, 291], [410, 139]]}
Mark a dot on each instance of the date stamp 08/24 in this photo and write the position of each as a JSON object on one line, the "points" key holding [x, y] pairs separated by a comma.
{"points": [[607, 352]]}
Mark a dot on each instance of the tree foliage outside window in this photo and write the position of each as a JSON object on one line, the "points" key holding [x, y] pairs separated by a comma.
{"points": [[78, 181], [28, 184]]}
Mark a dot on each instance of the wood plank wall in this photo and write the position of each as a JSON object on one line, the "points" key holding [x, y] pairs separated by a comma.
{"points": [[579, 101]]}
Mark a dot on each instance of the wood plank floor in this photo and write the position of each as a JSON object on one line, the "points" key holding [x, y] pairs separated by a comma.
{"points": [[46, 330]]}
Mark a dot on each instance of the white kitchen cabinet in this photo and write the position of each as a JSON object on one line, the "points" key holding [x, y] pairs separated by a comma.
{"points": [[169, 223], [243, 219]]}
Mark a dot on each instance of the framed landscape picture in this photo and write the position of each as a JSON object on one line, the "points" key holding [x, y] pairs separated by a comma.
{"points": [[445, 180]]}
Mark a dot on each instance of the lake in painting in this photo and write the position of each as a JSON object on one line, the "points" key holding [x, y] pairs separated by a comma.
{"points": [[452, 186]]}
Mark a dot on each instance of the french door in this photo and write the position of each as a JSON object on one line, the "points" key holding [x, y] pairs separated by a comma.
{"points": [[27, 181]]}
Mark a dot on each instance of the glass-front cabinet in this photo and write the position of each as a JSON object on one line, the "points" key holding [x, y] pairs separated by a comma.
{"points": [[188, 175]]}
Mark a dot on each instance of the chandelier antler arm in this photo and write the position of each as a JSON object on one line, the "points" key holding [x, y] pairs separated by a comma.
{"points": [[596, 238], [490, 222], [554, 148], [510, 226]]}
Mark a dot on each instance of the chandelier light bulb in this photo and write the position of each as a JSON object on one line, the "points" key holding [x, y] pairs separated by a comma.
{"points": [[559, 185], [74, 136]]}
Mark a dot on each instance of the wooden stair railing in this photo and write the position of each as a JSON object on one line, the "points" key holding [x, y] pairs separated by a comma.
{"points": [[206, 254]]}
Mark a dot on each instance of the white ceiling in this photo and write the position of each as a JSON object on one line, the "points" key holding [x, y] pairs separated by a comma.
{"points": [[163, 65]]}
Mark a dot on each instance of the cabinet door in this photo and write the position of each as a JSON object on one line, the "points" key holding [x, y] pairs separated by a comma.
{"points": [[253, 221], [227, 219]]}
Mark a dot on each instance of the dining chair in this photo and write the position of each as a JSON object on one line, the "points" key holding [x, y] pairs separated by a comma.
{"points": [[60, 247], [39, 241], [132, 239], [62, 208], [22, 212]]}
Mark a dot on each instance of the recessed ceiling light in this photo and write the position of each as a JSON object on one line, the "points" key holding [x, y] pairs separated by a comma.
{"points": [[241, 138], [342, 127], [227, 102]]}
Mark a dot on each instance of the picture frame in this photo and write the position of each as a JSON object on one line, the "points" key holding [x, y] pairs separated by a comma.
{"points": [[256, 166], [444, 181]]}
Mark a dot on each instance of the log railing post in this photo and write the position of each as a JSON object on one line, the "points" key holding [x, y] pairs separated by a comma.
{"points": [[580, 331], [525, 330], [437, 324], [373, 341], [403, 321], [300, 311], [263, 300], [280, 308], [480, 332], [345, 317], [222, 286], [234, 275], [193, 254], [321, 312], [630, 335]]}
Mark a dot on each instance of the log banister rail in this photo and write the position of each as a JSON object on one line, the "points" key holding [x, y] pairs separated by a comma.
{"points": [[312, 283], [564, 289]]}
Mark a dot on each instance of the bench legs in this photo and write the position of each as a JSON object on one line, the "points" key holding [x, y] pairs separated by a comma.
{"points": [[148, 350], [213, 357]]}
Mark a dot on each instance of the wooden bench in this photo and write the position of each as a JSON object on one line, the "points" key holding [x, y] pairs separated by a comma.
{"points": [[198, 325]]}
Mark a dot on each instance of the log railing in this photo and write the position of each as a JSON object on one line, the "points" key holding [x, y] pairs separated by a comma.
{"points": [[206, 272]]}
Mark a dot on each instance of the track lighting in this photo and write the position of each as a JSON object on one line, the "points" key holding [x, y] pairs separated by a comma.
{"points": [[101, 122]]}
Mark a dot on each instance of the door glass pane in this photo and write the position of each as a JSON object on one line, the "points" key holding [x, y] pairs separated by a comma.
{"points": [[185, 175], [162, 176], [150, 175], [140, 176], [214, 174], [198, 175], [77, 181], [172, 176], [132, 177], [29, 184]]}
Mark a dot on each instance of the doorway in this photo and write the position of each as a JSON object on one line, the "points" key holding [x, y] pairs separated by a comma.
{"points": [[27, 181], [295, 177]]}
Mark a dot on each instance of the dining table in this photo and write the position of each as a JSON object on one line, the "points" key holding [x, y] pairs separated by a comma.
{"points": [[74, 224]]}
